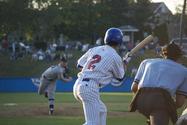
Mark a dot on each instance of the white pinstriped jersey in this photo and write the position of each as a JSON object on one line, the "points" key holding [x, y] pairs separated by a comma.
{"points": [[163, 73], [101, 64], [54, 72]]}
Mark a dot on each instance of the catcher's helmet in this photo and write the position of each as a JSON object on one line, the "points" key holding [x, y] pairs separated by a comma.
{"points": [[63, 59], [113, 36], [172, 51]]}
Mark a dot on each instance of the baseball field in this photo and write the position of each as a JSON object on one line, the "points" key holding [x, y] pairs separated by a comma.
{"points": [[32, 109]]}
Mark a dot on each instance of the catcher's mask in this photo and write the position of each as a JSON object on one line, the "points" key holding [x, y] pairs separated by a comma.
{"points": [[172, 51], [63, 59]]}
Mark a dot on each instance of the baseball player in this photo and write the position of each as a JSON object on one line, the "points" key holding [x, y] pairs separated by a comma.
{"points": [[48, 79], [156, 83], [99, 66]]}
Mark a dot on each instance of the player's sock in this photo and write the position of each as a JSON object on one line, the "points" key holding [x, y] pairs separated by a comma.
{"points": [[51, 107]]}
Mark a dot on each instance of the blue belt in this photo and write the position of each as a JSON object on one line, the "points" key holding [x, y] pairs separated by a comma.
{"points": [[86, 79]]}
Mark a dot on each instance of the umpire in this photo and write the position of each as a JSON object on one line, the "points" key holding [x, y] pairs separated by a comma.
{"points": [[156, 84]]}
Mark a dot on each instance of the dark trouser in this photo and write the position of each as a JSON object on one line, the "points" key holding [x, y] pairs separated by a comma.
{"points": [[159, 117], [154, 104]]}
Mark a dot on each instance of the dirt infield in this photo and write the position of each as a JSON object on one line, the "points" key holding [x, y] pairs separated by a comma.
{"points": [[39, 111], [43, 110]]}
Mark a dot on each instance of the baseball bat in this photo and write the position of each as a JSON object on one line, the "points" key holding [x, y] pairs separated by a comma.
{"points": [[142, 44], [159, 31]]}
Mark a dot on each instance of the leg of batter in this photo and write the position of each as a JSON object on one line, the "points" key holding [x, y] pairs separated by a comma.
{"points": [[90, 100], [94, 109], [103, 113]]}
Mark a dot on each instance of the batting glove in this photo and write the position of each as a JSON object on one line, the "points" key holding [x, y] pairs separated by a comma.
{"points": [[127, 58]]}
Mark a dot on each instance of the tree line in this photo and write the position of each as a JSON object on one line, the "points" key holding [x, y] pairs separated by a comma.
{"points": [[76, 19]]}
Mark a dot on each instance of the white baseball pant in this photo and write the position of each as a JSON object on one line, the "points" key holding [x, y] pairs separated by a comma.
{"points": [[87, 92]]}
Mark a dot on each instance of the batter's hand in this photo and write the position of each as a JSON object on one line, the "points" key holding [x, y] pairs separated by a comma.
{"points": [[127, 58]]}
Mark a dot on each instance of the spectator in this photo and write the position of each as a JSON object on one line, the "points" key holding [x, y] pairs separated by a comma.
{"points": [[5, 44]]}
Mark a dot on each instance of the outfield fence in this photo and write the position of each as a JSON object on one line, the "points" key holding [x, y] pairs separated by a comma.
{"points": [[25, 84]]}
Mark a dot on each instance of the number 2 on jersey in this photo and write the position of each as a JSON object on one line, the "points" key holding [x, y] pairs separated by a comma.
{"points": [[95, 59]]}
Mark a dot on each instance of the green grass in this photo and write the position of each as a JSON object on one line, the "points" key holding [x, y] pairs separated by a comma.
{"points": [[32, 109], [41, 121], [117, 105], [68, 121]]}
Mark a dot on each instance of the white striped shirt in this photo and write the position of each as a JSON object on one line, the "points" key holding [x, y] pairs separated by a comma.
{"points": [[101, 64]]}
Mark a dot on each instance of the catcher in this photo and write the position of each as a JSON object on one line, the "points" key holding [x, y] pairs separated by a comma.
{"points": [[156, 83]]}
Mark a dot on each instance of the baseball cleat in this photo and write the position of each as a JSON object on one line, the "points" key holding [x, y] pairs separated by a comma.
{"points": [[51, 111]]}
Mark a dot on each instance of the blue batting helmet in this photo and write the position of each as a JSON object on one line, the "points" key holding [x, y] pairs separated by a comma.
{"points": [[113, 36]]}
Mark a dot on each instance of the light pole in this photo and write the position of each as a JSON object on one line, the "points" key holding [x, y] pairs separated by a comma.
{"points": [[181, 22]]}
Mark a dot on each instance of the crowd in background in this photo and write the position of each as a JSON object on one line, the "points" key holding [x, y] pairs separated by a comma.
{"points": [[18, 49]]}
